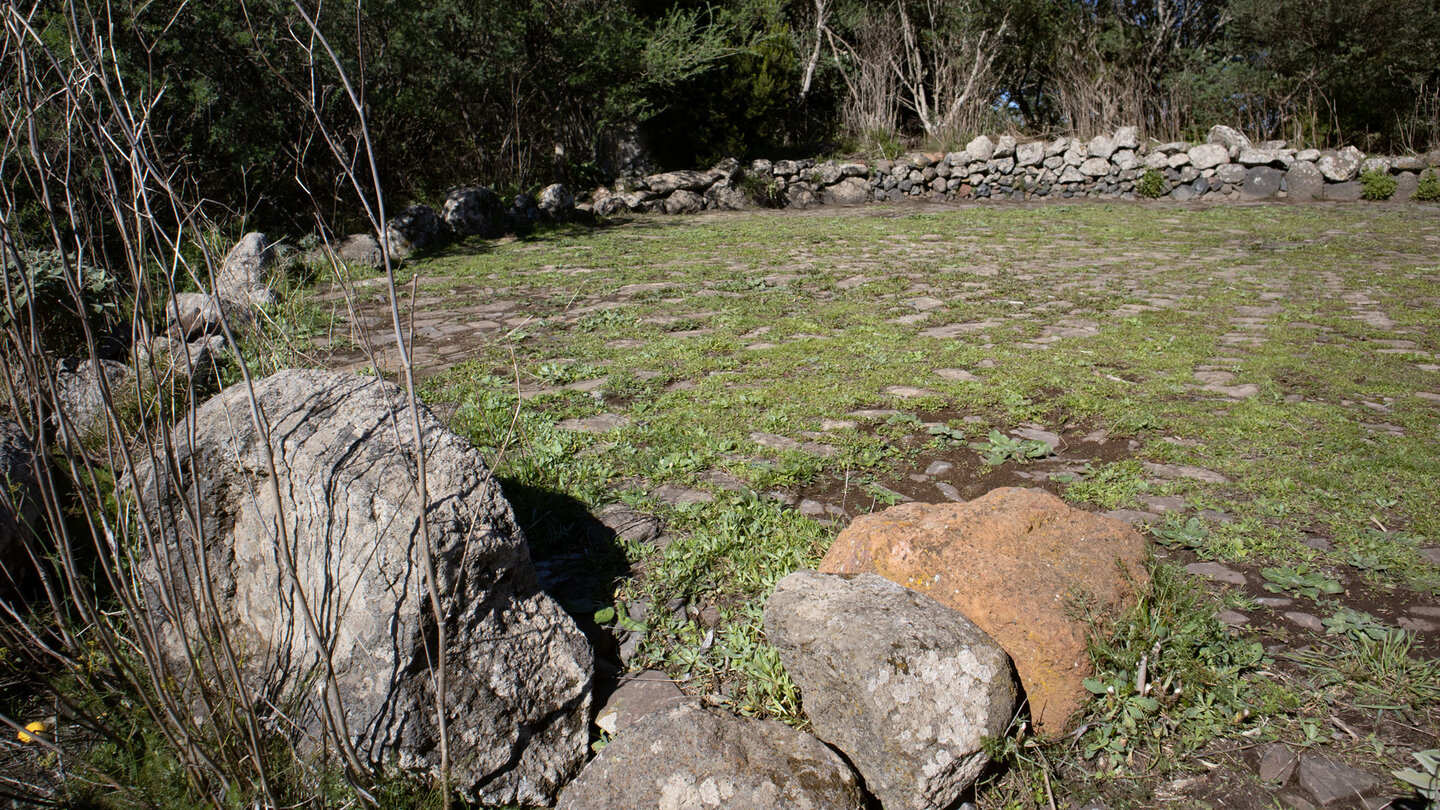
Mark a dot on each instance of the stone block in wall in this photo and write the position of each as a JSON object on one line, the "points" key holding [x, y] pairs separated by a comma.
{"points": [[1074, 156], [1309, 155], [1208, 155], [1261, 182], [687, 179], [1157, 161], [1005, 147], [1178, 160], [1095, 167], [683, 201], [1054, 162], [1376, 164], [786, 167], [1184, 193], [1433, 158], [1342, 166], [1100, 146], [1189, 174], [1348, 191], [961, 158], [939, 185], [982, 148], [1005, 165], [1231, 173], [1408, 163], [1304, 182], [1057, 147], [761, 168], [1172, 147], [827, 173], [1233, 140], [1125, 159], [1126, 138], [1072, 175], [1278, 158], [854, 170], [849, 191], [1029, 154], [724, 196], [801, 195], [942, 169], [1405, 185]]}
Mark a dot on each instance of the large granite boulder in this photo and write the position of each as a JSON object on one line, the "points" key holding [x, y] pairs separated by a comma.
{"points": [[684, 202], [87, 391], [361, 250], [330, 554], [1014, 561], [556, 202], [416, 227], [475, 211], [904, 686], [193, 315], [688, 758], [241, 276]]}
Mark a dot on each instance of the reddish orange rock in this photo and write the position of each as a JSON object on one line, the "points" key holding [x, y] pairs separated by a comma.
{"points": [[1018, 563]]}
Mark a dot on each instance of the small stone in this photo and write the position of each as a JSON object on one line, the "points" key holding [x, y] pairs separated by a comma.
{"points": [[1233, 618], [680, 496], [1132, 516], [1173, 471], [959, 375], [1273, 601], [1418, 625], [1306, 621], [636, 695], [1166, 503], [812, 508], [939, 468], [1328, 781], [1295, 802], [1217, 572], [1277, 762], [908, 392], [602, 423], [950, 492], [1035, 434]]}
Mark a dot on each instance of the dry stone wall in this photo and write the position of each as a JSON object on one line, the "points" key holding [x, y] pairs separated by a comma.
{"points": [[1226, 167]]}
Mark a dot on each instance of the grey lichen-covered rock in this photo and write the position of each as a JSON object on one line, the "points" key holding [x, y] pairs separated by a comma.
{"points": [[903, 685], [982, 148], [361, 249], [556, 202], [1029, 154], [1342, 166], [344, 516], [1232, 173], [725, 196], [1126, 138], [415, 227], [684, 202], [474, 211], [1101, 146], [688, 180], [1233, 140], [81, 401], [241, 276], [1261, 182], [850, 191], [192, 315], [1208, 155], [801, 195], [687, 758], [1304, 182], [1095, 167], [19, 496]]}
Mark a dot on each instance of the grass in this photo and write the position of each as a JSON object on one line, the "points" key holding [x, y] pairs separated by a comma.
{"points": [[705, 333]]}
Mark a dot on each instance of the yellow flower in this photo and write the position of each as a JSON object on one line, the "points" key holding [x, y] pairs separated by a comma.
{"points": [[37, 726]]}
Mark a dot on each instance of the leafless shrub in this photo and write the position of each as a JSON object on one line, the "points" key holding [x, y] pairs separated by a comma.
{"points": [[82, 180]]}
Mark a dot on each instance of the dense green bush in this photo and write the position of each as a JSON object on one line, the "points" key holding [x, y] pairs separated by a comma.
{"points": [[56, 295], [1429, 188], [1151, 184], [1377, 184]]}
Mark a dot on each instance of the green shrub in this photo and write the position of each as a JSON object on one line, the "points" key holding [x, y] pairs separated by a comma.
{"points": [[1151, 184], [37, 284], [1429, 189], [1377, 185]]}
